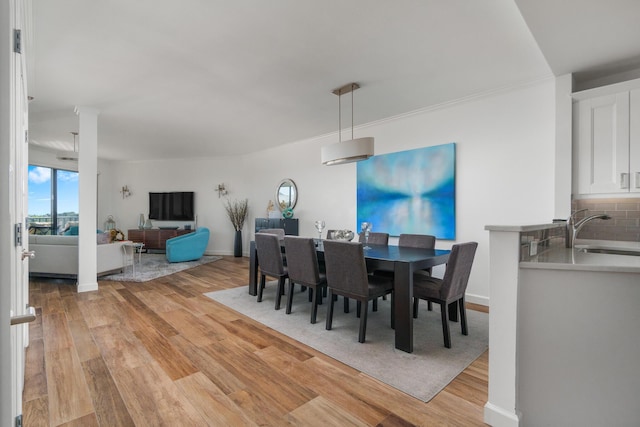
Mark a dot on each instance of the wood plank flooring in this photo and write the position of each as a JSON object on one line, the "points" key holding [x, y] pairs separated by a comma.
{"points": [[160, 353]]}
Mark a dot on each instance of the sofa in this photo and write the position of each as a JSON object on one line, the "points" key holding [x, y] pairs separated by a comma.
{"points": [[187, 247], [57, 256]]}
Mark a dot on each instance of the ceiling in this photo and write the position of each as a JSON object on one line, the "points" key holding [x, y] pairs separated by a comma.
{"points": [[215, 78]]}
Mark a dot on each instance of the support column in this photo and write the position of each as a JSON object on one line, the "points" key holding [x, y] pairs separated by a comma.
{"points": [[564, 138], [88, 223], [504, 258]]}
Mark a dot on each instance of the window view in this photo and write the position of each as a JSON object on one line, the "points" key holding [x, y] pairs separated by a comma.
{"points": [[53, 201]]}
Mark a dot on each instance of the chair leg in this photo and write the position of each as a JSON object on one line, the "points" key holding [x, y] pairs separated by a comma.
{"points": [[429, 306], [290, 297], [330, 311], [280, 291], [393, 311], [445, 324], [310, 294], [358, 309], [363, 321], [375, 304], [463, 316], [261, 287], [346, 304], [314, 304], [415, 307], [453, 312]]}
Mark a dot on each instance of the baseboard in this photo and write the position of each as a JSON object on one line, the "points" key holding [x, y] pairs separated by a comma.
{"points": [[477, 299], [499, 417], [87, 287]]}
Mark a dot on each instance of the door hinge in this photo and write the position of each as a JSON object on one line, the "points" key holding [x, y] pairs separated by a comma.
{"points": [[17, 41], [19, 421], [18, 234]]}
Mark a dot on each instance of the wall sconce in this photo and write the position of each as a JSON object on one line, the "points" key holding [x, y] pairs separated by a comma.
{"points": [[222, 191], [125, 191]]}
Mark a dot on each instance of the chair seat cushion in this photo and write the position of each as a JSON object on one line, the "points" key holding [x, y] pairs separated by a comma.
{"points": [[379, 285], [426, 286]]}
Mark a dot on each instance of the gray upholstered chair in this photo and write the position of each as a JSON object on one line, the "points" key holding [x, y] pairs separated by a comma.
{"points": [[375, 238], [347, 276], [269, 254], [450, 289], [302, 264], [277, 231]]}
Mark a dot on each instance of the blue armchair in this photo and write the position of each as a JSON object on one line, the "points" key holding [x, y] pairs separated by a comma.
{"points": [[188, 247]]}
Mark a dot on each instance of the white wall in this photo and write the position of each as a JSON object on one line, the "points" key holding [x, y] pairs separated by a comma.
{"points": [[504, 173]]}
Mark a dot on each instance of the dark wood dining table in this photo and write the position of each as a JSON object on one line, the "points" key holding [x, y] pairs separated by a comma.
{"points": [[403, 261]]}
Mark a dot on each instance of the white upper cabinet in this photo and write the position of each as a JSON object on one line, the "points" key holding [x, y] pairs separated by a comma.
{"points": [[608, 143]]}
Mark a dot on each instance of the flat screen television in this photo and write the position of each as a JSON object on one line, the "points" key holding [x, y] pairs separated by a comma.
{"points": [[172, 206]]}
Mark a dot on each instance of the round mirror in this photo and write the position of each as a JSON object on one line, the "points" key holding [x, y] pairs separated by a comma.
{"points": [[286, 194]]}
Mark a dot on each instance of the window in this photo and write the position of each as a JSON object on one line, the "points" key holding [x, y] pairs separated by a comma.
{"points": [[53, 200]]}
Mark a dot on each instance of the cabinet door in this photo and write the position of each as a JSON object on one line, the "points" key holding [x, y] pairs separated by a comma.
{"points": [[634, 141], [603, 144]]}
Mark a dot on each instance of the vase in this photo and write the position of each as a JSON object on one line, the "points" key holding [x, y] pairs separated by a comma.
{"points": [[237, 244], [148, 225], [141, 222]]}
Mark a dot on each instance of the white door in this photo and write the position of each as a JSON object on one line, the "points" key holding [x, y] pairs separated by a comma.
{"points": [[14, 274]]}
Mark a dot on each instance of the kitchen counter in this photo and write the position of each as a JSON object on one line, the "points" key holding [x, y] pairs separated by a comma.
{"points": [[554, 317], [576, 259]]}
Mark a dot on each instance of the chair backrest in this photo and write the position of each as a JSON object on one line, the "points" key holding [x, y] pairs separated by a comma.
{"points": [[269, 254], [302, 260], [277, 231], [422, 241], [346, 267], [375, 238], [456, 276]]}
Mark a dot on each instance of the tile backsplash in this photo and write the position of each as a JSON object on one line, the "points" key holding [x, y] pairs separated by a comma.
{"points": [[624, 224]]}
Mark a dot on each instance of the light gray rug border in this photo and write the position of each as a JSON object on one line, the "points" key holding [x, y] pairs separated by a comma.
{"points": [[153, 266], [421, 374]]}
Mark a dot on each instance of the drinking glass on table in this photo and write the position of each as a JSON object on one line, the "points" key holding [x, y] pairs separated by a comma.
{"points": [[320, 226], [366, 227]]}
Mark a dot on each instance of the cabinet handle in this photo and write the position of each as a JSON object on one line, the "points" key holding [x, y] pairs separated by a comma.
{"points": [[624, 181]]}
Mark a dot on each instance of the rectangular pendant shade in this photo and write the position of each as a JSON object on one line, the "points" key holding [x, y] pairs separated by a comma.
{"points": [[353, 150]]}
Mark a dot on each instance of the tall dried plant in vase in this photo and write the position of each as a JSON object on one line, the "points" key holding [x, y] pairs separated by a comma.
{"points": [[238, 210]]}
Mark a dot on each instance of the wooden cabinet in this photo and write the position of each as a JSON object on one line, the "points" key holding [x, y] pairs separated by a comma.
{"points": [[290, 225], [154, 238], [608, 132]]}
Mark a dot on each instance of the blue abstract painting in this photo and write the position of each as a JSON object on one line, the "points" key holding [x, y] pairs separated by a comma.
{"points": [[410, 191]]}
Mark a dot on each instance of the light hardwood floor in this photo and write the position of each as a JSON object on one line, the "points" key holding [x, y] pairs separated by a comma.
{"points": [[160, 353]]}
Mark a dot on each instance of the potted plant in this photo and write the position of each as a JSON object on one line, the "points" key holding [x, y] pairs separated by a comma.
{"points": [[237, 212]]}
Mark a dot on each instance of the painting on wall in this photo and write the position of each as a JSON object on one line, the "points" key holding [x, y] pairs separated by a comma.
{"points": [[409, 192]]}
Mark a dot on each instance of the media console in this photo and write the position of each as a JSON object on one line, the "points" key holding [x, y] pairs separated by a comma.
{"points": [[154, 239]]}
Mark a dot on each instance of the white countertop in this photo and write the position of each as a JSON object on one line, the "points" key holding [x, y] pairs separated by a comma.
{"points": [[523, 228], [575, 259]]}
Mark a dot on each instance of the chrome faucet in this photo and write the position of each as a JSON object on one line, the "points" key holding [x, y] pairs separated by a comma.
{"points": [[574, 227]]}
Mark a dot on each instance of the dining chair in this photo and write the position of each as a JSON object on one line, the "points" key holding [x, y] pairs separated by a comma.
{"points": [[375, 238], [450, 289], [277, 231], [270, 261], [347, 276], [304, 269]]}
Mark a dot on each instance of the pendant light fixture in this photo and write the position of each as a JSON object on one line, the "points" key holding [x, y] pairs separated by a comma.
{"points": [[69, 155], [353, 150]]}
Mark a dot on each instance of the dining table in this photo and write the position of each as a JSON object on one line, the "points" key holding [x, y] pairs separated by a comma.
{"points": [[403, 262]]}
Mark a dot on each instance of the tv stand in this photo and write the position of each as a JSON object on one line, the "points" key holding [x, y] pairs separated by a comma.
{"points": [[153, 238]]}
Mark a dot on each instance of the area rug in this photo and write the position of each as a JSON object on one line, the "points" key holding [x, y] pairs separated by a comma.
{"points": [[152, 266], [421, 374]]}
